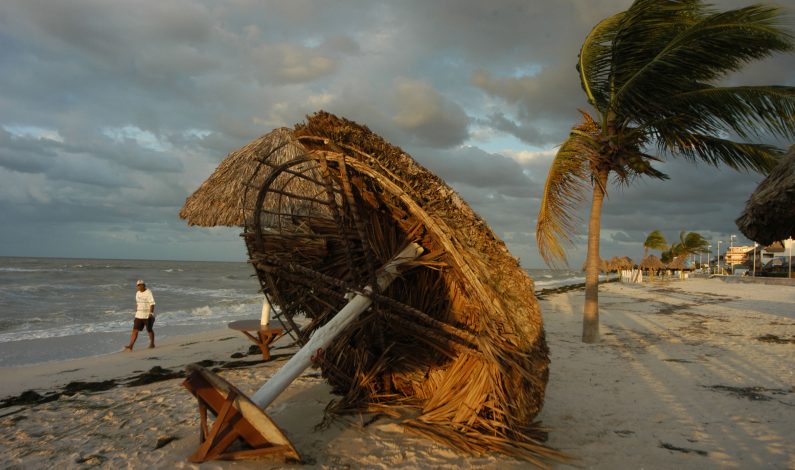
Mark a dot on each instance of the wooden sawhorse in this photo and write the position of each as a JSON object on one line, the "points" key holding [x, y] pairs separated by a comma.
{"points": [[236, 418]]}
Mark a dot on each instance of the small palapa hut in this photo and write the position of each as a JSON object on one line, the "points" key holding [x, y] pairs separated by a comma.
{"points": [[769, 214], [455, 346], [620, 263], [652, 264]]}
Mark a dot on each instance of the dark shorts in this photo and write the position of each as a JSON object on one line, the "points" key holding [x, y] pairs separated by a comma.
{"points": [[139, 323]]}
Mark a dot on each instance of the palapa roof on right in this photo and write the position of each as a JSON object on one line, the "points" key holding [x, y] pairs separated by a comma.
{"points": [[769, 214]]}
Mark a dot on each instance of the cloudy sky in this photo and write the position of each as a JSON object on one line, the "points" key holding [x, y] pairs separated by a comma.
{"points": [[113, 112]]}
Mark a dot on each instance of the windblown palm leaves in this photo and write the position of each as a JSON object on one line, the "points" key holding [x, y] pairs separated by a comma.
{"points": [[654, 241], [691, 243], [649, 74]]}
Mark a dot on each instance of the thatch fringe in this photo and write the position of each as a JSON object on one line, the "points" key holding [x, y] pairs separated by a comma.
{"points": [[651, 262], [769, 214]]}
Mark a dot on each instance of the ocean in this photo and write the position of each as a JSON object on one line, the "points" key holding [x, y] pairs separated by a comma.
{"points": [[55, 309]]}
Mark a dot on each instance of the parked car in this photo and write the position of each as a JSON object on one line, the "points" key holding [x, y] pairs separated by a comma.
{"points": [[740, 270], [776, 267]]}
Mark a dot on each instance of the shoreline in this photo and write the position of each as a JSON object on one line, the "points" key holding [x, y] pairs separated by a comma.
{"points": [[33, 352], [689, 374]]}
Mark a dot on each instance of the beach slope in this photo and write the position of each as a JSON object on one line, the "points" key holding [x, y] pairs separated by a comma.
{"points": [[689, 374]]}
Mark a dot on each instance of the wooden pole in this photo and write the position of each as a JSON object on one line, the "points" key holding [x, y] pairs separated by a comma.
{"points": [[324, 335]]}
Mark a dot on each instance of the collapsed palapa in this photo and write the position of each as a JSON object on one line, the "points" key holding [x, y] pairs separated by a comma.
{"points": [[456, 345]]}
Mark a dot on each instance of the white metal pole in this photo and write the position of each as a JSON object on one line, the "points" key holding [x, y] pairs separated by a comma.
{"points": [[265, 317], [709, 255], [324, 335], [755, 245], [789, 261]]}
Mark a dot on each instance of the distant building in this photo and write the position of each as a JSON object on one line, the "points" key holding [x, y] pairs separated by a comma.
{"points": [[776, 249], [738, 255], [745, 254]]}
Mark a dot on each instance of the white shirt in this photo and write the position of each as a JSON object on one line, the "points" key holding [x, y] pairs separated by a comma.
{"points": [[143, 300]]}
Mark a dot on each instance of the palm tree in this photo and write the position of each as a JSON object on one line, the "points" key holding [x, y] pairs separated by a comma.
{"points": [[689, 244], [649, 74], [655, 241]]}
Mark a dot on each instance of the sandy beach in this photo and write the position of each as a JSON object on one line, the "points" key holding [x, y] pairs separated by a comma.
{"points": [[689, 374]]}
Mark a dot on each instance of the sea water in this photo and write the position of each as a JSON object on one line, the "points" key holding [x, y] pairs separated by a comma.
{"points": [[55, 309]]}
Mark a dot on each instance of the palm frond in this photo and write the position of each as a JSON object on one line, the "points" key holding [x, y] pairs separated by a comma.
{"points": [[595, 61], [700, 51], [748, 111], [647, 28], [715, 150], [567, 180], [655, 241]]}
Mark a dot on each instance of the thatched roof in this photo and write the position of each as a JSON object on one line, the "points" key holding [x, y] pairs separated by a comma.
{"points": [[618, 263], [776, 247], [678, 263], [651, 262], [222, 198], [457, 343], [769, 213]]}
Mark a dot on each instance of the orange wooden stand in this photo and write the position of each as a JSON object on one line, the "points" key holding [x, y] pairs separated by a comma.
{"points": [[237, 420], [265, 334]]}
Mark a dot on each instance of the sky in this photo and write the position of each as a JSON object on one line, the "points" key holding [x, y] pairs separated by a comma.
{"points": [[112, 113]]}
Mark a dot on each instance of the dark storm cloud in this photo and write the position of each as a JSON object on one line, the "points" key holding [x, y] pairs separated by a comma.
{"points": [[427, 115], [525, 132], [474, 167], [133, 104], [26, 155]]}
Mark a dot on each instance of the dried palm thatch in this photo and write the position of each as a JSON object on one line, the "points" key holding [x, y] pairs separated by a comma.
{"points": [[456, 345], [678, 263], [769, 214], [621, 263], [651, 262], [231, 190]]}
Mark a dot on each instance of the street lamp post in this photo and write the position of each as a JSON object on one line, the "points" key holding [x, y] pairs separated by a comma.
{"points": [[720, 269], [789, 260], [731, 250]]}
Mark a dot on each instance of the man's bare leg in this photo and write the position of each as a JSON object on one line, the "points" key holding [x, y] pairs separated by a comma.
{"points": [[151, 339], [133, 338]]}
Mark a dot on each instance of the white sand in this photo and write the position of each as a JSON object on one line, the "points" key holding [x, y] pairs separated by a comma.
{"points": [[671, 356]]}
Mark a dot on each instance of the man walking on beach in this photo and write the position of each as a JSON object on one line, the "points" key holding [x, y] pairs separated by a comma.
{"points": [[144, 315]]}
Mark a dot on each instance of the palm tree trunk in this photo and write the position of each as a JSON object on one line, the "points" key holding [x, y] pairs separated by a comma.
{"points": [[590, 314]]}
